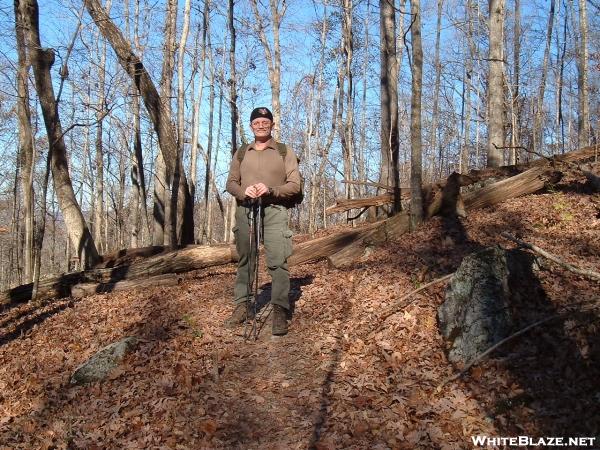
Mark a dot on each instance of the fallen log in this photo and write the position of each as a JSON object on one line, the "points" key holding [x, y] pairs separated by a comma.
{"points": [[449, 202], [183, 260], [354, 203], [444, 198], [322, 247], [362, 244], [189, 258], [84, 289], [128, 255], [527, 182]]}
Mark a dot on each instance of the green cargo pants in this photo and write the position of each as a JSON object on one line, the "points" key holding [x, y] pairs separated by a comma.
{"points": [[278, 247]]}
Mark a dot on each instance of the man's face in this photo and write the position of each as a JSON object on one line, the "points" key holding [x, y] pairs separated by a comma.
{"points": [[261, 127]]}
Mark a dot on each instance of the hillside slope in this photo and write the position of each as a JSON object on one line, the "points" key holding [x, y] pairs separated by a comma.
{"points": [[328, 384]]}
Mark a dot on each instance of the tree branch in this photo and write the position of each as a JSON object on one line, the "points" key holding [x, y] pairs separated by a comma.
{"points": [[588, 273], [401, 303]]}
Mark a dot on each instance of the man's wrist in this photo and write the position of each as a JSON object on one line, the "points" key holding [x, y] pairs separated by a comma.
{"points": [[271, 192]]}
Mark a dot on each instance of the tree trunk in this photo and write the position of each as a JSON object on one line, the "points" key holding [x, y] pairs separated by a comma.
{"points": [[197, 103], [346, 127], [516, 101], [159, 235], [180, 79], [436, 94], [42, 60], [84, 289], [363, 115], [583, 117], [416, 202], [389, 174], [26, 145], [99, 225], [468, 86], [495, 84], [272, 56], [158, 109], [559, 110], [538, 126], [232, 77]]}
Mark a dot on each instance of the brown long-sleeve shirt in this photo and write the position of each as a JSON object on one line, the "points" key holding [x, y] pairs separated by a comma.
{"points": [[264, 166]]}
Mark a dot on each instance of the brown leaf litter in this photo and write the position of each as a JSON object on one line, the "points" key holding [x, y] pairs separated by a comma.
{"points": [[327, 385]]}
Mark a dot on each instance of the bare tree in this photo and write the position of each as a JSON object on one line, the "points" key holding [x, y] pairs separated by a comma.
{"points": [[467, 89], [516, 101], [496, 84], [389, 174], [583, 118], [232, 77], [233, 108], [26, 144], [138, 178], [346, 82], [436, 93], [42, 60], [416, 194], [99, 225], [198, 101], [157, 108], [272, 56], [538, 129]]}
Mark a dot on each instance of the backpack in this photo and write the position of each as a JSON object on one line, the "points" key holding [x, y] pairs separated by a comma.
{"points": [[296, 199]]}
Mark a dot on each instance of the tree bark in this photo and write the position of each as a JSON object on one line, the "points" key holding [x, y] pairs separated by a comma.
{"points": [[198, 102], [42, 60], [436, 95], [99, 224], [468, 87], [389, 173], [26, 145], [84, 289], [583, 117], [538, 127], [516, 101], [496, 84], [346, 126], [416, 198], [232, 77]]}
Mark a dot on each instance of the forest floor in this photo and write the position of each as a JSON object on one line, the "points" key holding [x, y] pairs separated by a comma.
{"points": [[328, 384]]}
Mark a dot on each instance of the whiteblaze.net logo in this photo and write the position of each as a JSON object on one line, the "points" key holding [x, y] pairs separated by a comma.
{"points": [[528, 441]]}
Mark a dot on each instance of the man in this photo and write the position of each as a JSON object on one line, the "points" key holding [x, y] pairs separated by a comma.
{"points": [[263, 169]]}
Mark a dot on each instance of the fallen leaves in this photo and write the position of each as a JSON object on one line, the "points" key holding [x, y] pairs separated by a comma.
{"points": [[193, 384]]}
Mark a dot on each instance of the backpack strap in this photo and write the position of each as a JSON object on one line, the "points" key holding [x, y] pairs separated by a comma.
{"points": [[281, 148], [242, 152]]}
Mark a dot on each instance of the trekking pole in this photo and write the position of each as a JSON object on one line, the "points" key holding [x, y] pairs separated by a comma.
{"points": [[255, 239]]}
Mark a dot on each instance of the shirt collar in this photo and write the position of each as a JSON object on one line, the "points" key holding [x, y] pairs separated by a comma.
{"points": [[270, 144]]}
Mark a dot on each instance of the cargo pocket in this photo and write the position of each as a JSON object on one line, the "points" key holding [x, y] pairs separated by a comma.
{"points": [[287, 243]]}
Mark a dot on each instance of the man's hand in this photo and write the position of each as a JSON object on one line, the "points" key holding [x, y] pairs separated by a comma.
{"points": [[256, 190], [261, 189]]}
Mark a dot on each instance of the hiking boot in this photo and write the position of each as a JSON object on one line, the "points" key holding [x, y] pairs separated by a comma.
{"points": [[280, 326], [239, 315]]}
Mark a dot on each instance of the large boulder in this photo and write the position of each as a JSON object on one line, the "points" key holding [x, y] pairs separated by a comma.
{"points": [[483, 299], [99, 366]]}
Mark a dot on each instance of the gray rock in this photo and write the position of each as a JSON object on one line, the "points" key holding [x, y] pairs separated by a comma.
{"points": [[99, 366], [480, 303]]}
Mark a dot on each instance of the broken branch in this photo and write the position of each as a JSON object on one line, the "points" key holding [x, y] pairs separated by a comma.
{"points": [[401, 303], [579, 271]]}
